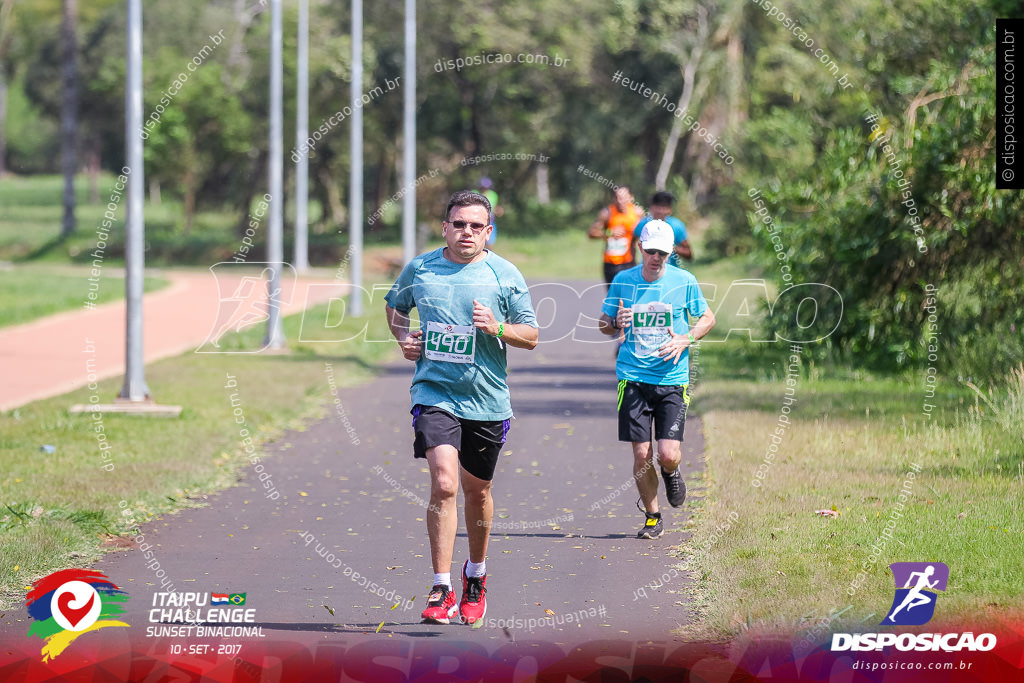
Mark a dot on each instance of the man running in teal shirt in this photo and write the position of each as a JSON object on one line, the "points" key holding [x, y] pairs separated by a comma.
{"points": [[653, 304], [472, 304]]}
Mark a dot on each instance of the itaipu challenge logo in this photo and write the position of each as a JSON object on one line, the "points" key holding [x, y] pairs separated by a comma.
{"points": [[70, 603]]}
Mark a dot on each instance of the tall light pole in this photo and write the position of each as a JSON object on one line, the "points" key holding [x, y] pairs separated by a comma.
{"points": [[274, 338], [134, 387], [409, 136], [301, 134], [355, 306]]}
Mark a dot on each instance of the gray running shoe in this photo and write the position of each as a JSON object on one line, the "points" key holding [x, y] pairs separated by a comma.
{"points": [[675, 487], [652, 528]]}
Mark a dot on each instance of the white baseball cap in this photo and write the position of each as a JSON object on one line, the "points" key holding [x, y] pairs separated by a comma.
{"points": [[658, 235]]}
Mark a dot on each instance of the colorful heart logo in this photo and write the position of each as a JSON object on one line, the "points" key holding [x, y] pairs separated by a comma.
{"points": [[72, 614], [85, 609]]}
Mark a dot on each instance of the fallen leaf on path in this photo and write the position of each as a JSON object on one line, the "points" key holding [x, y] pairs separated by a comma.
{"points": [[329, 610], [379, 627], [303, 494], [549, 612], [479, 623]]}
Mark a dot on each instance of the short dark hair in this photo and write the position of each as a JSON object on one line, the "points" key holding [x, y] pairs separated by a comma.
{"points": [[467, 198], [662, 199]]}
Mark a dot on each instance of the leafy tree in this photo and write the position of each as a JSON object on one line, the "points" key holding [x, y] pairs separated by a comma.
{"points": [[898, 207]]}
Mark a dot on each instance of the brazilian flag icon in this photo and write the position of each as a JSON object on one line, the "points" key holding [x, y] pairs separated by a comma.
{"points": [[237, 598]]}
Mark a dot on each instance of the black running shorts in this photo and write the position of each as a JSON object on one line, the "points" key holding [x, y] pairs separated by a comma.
{"points": [[613, 269], [478, 442], [640, 403]]}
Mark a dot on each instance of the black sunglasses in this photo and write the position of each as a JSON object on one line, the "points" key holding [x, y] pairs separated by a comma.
{"points": [[461, 225], [652, 252]]}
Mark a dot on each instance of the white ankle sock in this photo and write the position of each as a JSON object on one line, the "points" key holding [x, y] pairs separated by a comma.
{"points": [[443, 579], [475, 569]]}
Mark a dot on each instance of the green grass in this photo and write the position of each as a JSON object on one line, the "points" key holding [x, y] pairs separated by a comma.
{"points": [[566, 255], [31, 219], [28, 292]]}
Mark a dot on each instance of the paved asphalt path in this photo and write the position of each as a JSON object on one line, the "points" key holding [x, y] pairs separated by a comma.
{"points": [[564, 499]]}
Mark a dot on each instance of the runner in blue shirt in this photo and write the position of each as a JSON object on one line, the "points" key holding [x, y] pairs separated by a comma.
{"points": [[661, 210], [471, 304], [653, 304]]}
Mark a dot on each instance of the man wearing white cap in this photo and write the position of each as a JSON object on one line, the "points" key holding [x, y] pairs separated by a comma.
{"points": [[653, 305]]}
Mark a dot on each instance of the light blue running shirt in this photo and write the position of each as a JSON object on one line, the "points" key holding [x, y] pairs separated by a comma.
{"points": [[656, 304], [462, 369]]}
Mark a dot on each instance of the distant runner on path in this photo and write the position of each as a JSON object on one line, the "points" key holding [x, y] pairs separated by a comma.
{"points": [[651, 302], [471, 303], [614, 225]]}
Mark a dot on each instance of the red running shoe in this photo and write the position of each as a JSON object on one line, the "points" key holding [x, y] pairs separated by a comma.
{"points": [[440, 605], [473, 605]]}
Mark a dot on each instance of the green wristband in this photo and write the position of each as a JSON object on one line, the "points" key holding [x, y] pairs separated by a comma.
{"points": [[692, 338], [501, 329]]}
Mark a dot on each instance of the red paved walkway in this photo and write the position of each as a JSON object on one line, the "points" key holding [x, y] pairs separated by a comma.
{"points": [[48, 357]]}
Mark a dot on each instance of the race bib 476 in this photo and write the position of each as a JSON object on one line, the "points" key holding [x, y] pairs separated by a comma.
{"points": [[652, 326]]}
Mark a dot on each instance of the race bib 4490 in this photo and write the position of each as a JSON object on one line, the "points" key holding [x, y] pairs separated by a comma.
{"points": [[450, 343]]}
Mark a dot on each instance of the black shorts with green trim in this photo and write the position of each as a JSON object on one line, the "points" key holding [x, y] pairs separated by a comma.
{"points": [[640, 404], [478, 442]]}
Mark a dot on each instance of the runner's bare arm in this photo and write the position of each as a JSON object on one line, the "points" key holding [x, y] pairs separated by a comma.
{"points": [[409, 342], [612, 326], [684, 251], [674, 347], [521, 335], [596, 230]]}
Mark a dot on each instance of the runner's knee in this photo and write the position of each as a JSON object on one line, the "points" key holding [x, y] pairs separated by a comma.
{"points": [[669, 453], [641, 451], [443, 485], [477, 496]]}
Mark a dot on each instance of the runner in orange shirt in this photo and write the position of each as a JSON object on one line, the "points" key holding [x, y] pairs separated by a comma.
{"points": [[615, 226]]}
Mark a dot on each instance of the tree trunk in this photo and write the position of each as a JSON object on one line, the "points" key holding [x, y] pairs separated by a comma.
{"points": [[190, 197], [94, 172], [69, 113], [238, 64], [685, 98], [6, 11], [3, 122], [543, 189], [333, 197]]}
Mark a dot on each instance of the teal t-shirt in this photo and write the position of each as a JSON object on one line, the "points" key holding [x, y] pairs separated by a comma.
{"points": [[678, 234], [462, 370], [658, 307]]}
